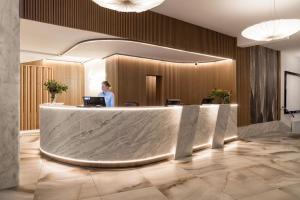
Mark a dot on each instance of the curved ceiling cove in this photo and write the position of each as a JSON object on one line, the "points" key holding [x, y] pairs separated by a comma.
{"points": [[105, 47]]}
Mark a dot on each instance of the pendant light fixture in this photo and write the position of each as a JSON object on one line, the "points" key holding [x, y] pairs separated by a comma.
{"points": [[129, 5], [272, 30]]}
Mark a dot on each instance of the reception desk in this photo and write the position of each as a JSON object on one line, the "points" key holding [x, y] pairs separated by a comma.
{"points": [[123, 137]]}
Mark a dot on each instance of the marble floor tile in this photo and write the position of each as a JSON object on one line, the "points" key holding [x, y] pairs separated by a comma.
{"points": [[206, 167], [92, 198], [164, 175], [293, 190], [273, 176], [69, 189], [119, 181], [30, 147], [256, 168], [271, 195], [88, 187], [238, 184], [16, 194], [293, 165], [235, 162], [267, 172], [29, 139], [270, 161], [192, 189], [30, 169], [57, 190], [58, 171], [286, 156], [211, 154], [150, 193], [202, 168]]}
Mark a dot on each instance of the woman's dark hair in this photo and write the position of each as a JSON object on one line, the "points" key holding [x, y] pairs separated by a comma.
{"points": [[106, 83]]}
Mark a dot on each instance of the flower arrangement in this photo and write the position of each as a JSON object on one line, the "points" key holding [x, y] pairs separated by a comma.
{"points": [[55, 88]]}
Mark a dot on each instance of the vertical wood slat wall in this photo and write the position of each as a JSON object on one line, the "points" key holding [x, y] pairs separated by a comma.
{"points": [[187, 82], [71, 74], [243, 85], [33, 94], [151, 91], [147, 26], [32, 77]]}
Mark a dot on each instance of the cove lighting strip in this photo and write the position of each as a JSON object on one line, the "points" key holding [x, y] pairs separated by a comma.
{"points": [[230, 138], [108, 163], [121, 163], [74, 108], [203, 146], [147, 44]]}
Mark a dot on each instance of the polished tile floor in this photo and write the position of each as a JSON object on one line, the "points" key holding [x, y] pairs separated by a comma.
{"points": [[254, 169]]}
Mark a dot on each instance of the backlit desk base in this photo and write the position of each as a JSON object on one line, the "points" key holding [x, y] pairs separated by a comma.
{"points": [[125, 137]]}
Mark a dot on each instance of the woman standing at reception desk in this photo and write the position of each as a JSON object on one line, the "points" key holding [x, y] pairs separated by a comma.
{"points": [[107, 94]]}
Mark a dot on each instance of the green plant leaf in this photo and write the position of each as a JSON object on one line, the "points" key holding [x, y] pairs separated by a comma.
{"points": [[55, 87]]}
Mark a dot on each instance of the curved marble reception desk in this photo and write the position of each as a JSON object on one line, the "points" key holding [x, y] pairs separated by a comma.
{"points": [[122, 137]]}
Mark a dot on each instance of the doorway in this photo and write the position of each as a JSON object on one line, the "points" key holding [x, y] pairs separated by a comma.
{"points": [[153, 90]]}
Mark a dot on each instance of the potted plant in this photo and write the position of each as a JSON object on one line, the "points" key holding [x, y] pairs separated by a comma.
{"points": [[220, 96], [55, 88]]}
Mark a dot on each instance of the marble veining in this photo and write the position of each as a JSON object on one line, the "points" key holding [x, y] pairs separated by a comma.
{"points": [[118, 135], [9, 89], [262, 129], [221, 126], [187, 131], [109, 135], [231, 128], [296, 126], [211, 120], [206, 125]]}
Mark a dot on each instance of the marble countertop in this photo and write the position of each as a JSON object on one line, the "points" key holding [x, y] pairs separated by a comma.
{"points": [[62, 106]]}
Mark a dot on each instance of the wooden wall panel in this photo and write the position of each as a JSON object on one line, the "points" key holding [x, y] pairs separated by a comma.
{"points": [[148, 26], [151, 92], [71, 74], [32, 77], [111, 69], [243, 86], [32, 94], [187, 82]]}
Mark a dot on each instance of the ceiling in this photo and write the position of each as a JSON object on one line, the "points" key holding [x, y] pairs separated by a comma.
{"points": [[60, 43], [40, 40], [102, 48], [232, 16]]}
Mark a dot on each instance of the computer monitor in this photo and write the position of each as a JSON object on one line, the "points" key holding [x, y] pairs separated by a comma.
{"points": [[173, 102], [207, 101], [93, 101], [131, 104]]}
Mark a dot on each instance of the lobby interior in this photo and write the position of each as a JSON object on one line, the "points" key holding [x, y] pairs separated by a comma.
{"points": [[206, 100]]}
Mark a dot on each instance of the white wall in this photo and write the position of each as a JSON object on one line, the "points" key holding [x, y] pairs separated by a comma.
{"points": [[289, 62], [9, 90], [95, 73]]}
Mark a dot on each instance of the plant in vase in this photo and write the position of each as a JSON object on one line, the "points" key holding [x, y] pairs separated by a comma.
{"points": [[220, 96], [55, 88]]}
